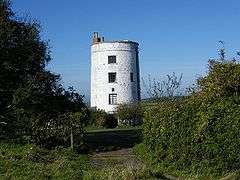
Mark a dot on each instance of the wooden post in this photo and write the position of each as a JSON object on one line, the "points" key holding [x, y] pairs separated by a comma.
{"points": [[71, 139]]}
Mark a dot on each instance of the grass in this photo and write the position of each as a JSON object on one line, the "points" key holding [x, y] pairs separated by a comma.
{"points": [[169, 170], [113, 138], [27, 161], [117, 164], [19, 161], [118, 173]]}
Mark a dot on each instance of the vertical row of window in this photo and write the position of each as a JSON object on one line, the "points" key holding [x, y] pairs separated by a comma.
{"points": [[112, 99], [112, 76]]}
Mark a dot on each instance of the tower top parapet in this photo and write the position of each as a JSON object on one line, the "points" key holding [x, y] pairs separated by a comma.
{"points": [[98, 39]]}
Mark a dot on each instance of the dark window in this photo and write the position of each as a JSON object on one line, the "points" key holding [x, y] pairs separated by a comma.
{"points": [[112, 98], [111, 59], [111, 77], [131, 77]]}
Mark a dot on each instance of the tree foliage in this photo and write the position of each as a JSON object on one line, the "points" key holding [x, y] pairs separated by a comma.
{"points": [[32, 100]]}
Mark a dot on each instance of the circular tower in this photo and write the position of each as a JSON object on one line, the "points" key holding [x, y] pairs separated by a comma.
{"points": [[114, 73]]}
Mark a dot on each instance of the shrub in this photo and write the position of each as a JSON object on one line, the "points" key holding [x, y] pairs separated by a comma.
{"points": [[57, 132], [102, 119], [199, 134], [130, 114], [99, 118], [111, 121]]}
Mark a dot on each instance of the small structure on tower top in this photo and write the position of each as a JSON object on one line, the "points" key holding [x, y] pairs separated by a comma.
{"points": [[96, 38]]}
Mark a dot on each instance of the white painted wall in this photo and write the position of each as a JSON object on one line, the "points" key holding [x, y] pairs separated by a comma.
{"points": [[126, 53]]}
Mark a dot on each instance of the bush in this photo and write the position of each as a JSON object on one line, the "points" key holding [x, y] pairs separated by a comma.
{"points": [[111, 121], [102, 119], [199, 134], [57, 132], [130, 114], [99, 118]]}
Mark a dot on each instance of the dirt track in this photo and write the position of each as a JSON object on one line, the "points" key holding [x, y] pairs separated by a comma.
{"points": [[121, 158]]}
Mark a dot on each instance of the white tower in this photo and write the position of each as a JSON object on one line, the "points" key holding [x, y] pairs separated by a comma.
{"points": [[114, 73]]}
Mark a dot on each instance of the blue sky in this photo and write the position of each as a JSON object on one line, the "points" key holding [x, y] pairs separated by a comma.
{"points": [[174, 36]]}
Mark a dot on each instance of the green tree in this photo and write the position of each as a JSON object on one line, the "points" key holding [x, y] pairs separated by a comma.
{"points": [[32, 100], [23, 57]]}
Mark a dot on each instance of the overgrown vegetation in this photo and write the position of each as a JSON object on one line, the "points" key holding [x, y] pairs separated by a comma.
{"points": [[196, 136], [33, 103], [199, 135], [30, 162]]}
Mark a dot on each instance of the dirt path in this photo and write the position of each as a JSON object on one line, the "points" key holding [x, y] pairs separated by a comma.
{"points": [[123, 158]]}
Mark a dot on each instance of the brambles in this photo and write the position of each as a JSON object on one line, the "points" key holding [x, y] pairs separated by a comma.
{"points": [[199, 134]]}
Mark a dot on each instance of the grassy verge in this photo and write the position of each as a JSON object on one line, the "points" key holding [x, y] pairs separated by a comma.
{"points": [[19, 161], [169, 170], [27, 161], [115, 172]]}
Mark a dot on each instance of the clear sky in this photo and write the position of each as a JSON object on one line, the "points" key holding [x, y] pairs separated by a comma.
{"points": [[174, 35]]}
